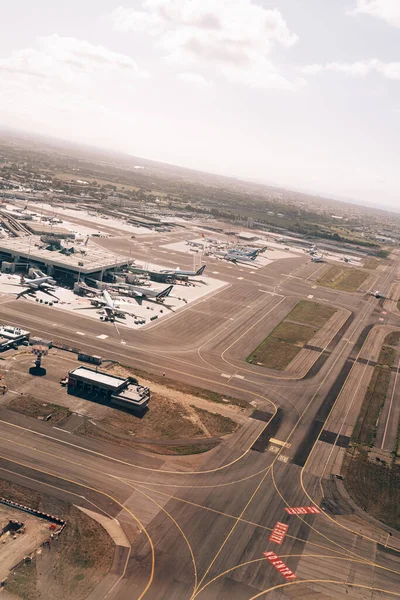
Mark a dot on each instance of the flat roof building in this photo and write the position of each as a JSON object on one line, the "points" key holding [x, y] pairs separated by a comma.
{"points": [[84, 260], [104, 387]]}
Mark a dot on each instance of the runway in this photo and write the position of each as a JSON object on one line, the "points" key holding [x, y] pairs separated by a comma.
{"points": [[205, 521]]}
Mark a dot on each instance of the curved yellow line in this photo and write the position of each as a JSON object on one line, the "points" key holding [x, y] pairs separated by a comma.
{"points": [[105, 494], [301, 581]]}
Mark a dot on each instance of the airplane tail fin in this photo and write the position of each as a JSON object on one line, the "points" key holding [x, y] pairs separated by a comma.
{"points": [[201, 270], [164, 293]]}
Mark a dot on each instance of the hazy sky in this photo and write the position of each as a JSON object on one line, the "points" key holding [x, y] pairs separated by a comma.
{"points": [[303, 93]]}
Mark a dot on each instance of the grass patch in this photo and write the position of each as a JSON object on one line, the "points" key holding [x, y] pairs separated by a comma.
{"points": [[393, 338], [311, 313], [27, 405], [342, 278], [374, 486], [74, 565], [365, 429], [215, 423], [291, 335], [371, 263]]}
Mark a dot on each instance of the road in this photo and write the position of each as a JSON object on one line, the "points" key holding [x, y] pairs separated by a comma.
{"points": [[205, 520]]}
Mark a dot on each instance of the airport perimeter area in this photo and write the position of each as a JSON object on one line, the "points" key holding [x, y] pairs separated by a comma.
{"points": [[271, 395]]}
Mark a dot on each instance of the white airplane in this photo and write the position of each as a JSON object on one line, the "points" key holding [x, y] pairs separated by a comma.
{"points": [[317, 258], [178, 271], [111, 307], [246, 253], [40, 282], [235, 258], [144, 293]]}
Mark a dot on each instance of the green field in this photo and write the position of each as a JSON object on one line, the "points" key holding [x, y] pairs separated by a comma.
{"points": [[291, 335], [342, 278], [365, 430]]}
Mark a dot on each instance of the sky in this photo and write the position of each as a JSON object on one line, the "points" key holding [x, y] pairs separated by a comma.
{"points": [[298, 93]]}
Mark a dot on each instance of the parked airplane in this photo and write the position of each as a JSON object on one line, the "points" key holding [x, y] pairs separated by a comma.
{"points": [[144, 293], [235, 258], [39, 282], [247, 251], [318, 258], [178, 271], [112, 308]]}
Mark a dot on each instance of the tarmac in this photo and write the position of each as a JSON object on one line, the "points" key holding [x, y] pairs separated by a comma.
{"points": [[205, 521]]}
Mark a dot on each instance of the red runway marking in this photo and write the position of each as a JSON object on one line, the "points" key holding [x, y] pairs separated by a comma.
{"points": [[279, 565], [303, 510], [278, 533]]}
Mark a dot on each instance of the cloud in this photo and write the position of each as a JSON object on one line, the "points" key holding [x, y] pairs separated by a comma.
{"points": [[65, 58], [388, 10], [195, 78], [389, 70], [231, 38]]}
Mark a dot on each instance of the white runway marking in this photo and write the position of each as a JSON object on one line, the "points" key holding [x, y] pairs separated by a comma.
{"points": [[239, 376], [310, 296], [240, 277], [225, 375], [215, 272], [80, 333], [103, 336]]}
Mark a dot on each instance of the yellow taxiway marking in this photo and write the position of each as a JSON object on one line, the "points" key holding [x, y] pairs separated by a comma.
{"points": [[334, 581], [280, 443], [245, 521], [106, 495], [285, 556], [178, 527]]}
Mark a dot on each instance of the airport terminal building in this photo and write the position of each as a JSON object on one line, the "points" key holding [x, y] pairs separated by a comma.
{"points": [[76, 261]]}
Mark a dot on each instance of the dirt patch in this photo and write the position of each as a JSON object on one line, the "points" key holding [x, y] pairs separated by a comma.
{"points": [[371, 263], [69, 567], [168, 427], [215, 423], [170, 388], [30, 406], [342, 278]]}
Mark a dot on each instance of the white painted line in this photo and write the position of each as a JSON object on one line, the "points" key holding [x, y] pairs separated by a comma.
{"points": [[103, 336], [80, 333], [122, 342], [225, 375], [283, 459], [240, 278], [310, 296], [381, 319], [215, 272], [314, 287], [239, 376], [252, 272], [265, 291], [231, 319]]}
